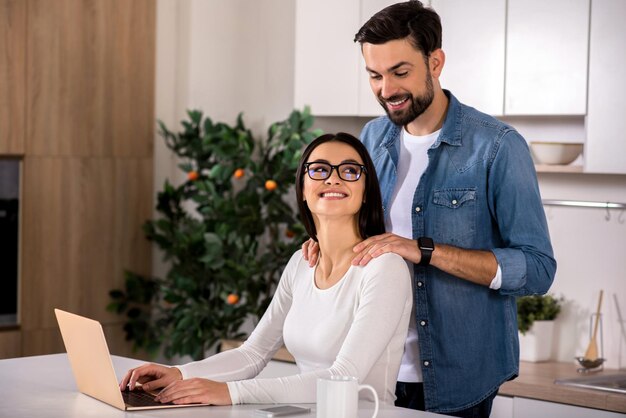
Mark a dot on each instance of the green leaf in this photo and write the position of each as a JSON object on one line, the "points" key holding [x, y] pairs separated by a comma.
{"points": [[195, 116], [536, 308], [216, 171]]}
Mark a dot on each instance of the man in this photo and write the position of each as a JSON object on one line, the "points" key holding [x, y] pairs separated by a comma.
{"points": [[462, 205]]}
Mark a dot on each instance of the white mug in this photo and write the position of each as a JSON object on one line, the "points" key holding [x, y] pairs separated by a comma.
{"points": [[338, 397]]}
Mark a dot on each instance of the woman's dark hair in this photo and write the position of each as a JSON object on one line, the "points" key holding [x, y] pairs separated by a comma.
{"points": [[371, 218], [401, 20]]}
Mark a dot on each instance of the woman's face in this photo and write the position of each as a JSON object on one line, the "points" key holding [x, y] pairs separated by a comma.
{"points": [[334, 197]]}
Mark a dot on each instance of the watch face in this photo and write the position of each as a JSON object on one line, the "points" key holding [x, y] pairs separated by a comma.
{"points": [[426, 243]]}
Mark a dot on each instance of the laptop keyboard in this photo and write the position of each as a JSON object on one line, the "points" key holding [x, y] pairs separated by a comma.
{"points": [[140, 398]]}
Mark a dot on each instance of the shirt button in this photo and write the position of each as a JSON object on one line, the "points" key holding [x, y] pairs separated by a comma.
{"points": [[426, 363], [454, 202], [418, 209], [423, 323], [420, 284]]}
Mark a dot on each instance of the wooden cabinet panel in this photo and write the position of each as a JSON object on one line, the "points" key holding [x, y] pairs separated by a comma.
{"points": [[90, 78], [12, 76], [133, 207], [132, 74], [68, 214], [42, 341], [10, 344], [82, 228]]}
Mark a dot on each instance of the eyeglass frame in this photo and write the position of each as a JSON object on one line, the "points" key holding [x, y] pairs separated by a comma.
{"points": [[336, 168]]}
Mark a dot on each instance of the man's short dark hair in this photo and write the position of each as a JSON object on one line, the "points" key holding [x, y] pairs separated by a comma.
{"points": [[371, 218], [410, 19]]}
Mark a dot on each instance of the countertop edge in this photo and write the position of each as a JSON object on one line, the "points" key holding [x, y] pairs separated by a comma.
{"points": [[536, 381]]}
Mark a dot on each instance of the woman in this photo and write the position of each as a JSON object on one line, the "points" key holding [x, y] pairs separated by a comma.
{"points": [[335, 318]]}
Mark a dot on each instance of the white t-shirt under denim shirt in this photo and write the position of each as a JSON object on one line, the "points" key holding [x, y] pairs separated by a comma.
{"points": [[412, 163], [355, 328]]}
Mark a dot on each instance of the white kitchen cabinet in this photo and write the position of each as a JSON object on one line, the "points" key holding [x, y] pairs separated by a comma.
{"points": [[605, 146], [511, 57], [502, 407], [546, 57], [474, 44], [330, 72], [326, 58], [531, 408], [368, 105]]}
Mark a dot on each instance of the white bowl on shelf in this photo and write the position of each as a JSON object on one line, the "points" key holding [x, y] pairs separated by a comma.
{"points": [[562, 153]]}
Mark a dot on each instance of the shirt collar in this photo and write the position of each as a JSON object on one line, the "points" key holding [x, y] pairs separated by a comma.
{"points": [[451, 129]]}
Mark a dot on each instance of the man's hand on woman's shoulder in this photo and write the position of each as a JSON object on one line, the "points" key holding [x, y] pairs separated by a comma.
{"points": [[385, 243]]}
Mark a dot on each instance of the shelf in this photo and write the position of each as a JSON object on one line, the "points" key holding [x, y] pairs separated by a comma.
{"points": [[547, 168]]}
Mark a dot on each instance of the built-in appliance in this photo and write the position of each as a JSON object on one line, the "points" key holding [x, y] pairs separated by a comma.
{"points": [[9, 239]]}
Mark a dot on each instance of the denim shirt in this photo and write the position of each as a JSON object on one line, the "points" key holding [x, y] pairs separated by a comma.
{"points": [[480, 192]]}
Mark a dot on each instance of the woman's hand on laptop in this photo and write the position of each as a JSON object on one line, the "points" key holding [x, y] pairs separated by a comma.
{"points": [[150, 377], [195, 390]]}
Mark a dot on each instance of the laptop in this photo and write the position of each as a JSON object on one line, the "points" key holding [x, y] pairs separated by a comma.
{"points": [[93, 369]]}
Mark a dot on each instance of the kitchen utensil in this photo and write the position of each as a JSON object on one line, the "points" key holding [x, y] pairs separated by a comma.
{"points": [[590, 364], [592, 351]]}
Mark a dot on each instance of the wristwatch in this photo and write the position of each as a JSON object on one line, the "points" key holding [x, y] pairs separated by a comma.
{"points": [[426, 246]]}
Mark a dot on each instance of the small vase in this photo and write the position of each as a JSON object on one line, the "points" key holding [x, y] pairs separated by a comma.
{"points": [[536, 344]]}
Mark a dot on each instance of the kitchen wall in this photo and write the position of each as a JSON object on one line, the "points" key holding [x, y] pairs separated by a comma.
{"points": [[227, 57]]}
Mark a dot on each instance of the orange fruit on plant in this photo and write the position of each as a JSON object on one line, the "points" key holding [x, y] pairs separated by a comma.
{"points": [[289, 233], [239, 173], [271, 185], [193, 176], [232, 299]]}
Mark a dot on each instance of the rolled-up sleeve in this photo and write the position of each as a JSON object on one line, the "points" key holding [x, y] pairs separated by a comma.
{"points": [[526, 257]]}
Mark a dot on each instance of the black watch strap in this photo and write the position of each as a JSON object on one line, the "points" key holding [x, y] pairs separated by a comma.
{"points": [[426, 247]]}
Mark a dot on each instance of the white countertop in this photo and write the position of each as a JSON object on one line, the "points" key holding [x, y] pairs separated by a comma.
{"points": [[43, 386]]}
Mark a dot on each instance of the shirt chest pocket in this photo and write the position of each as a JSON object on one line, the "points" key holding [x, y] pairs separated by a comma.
{"points": [[454, 215]]}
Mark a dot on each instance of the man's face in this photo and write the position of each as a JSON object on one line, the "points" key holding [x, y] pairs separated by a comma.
{"points": [[400, 78]]}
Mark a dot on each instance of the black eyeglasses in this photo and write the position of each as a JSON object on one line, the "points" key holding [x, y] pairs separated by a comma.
{"points": [[345, 171]]}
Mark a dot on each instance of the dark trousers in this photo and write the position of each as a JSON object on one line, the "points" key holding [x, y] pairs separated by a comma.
{"points": [[411, 395]]}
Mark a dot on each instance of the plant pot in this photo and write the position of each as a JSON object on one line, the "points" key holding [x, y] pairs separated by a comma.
{"points": [[536, 344]]}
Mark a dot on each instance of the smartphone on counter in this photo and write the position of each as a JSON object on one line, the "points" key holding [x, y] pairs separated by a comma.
{"points": [[281, 411]]}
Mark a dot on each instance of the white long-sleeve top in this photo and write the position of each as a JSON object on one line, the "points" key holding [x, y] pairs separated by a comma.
{"points": [[355, 328]]}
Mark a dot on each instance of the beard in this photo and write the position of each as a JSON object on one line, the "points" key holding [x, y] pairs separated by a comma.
{"points": [[418, 105]]}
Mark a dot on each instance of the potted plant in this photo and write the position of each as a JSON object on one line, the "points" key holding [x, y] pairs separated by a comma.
{"points": [[227, 233], [535, 322]]}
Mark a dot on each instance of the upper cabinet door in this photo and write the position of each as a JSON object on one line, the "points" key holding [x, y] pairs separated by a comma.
{"points": [[12, 79], [326, 58], [606, 144], [474, 44], [367, 103], [546, 57]]}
